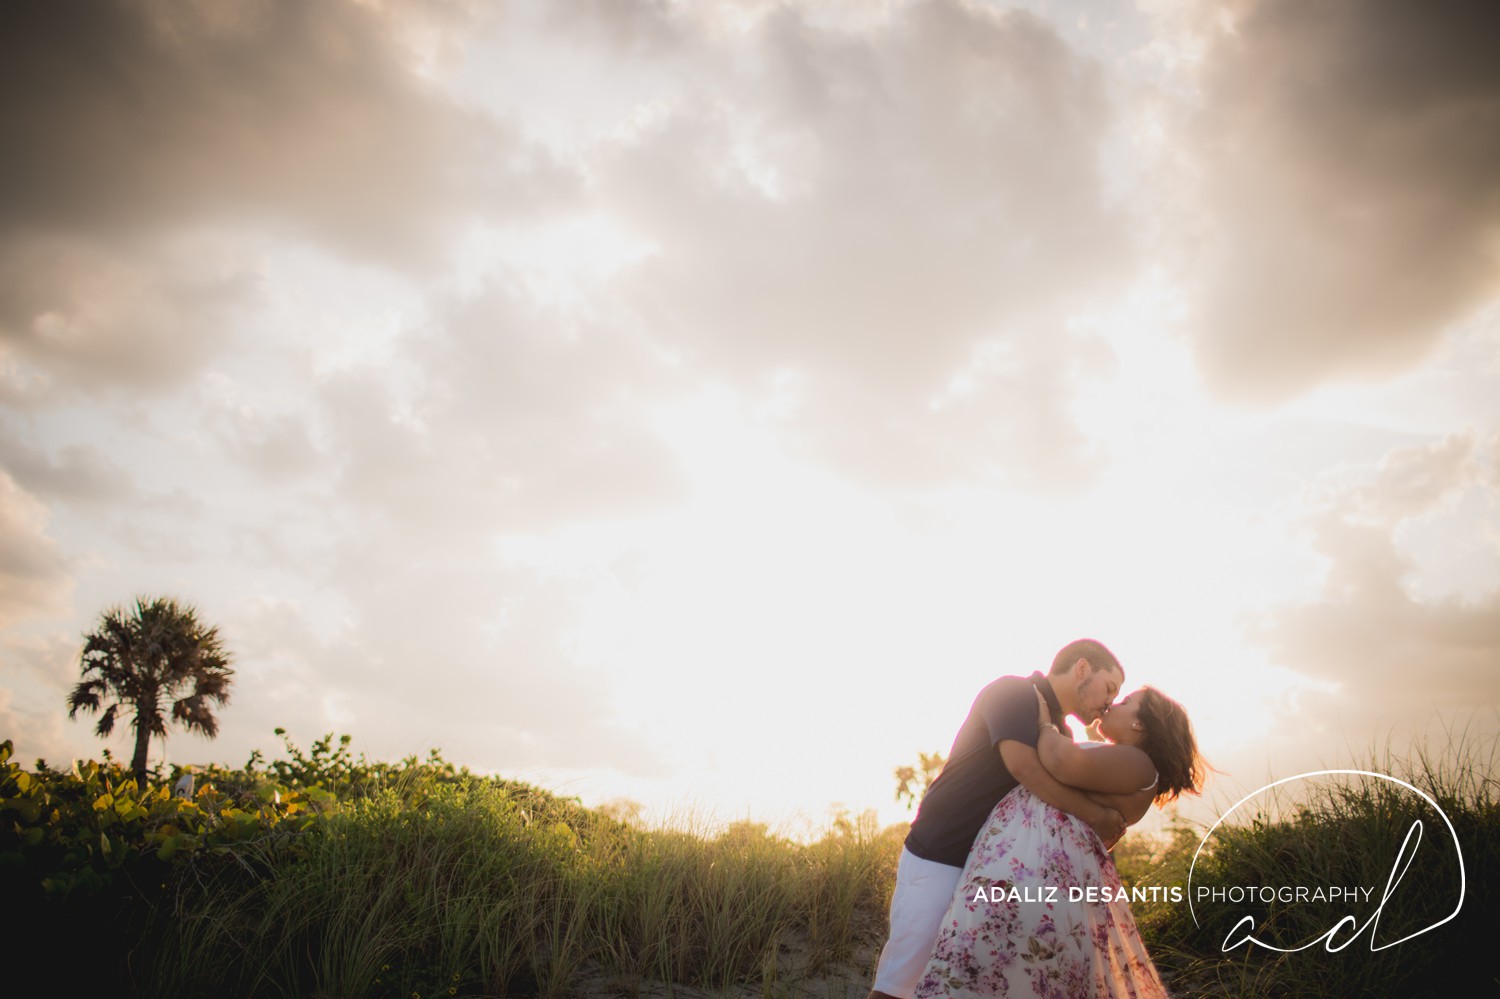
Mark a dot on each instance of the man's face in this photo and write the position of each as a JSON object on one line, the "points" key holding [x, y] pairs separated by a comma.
{"points": [[1096, 691]]}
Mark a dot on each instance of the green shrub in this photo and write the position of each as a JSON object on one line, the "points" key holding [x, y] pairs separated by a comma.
{"points": [[325, 875]]}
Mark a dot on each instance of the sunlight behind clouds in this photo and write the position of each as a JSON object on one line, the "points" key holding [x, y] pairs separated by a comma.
{"points": [[702, 402]]}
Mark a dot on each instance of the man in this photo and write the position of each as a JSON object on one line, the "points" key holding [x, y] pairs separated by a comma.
{"points": [[995, 750]]}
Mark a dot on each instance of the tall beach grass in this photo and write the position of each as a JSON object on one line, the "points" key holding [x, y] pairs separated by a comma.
{"points": [[425, 880], [471, 892], [1347, 831]]}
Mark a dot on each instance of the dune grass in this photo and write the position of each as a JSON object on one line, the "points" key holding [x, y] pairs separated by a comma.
{"points": [[1346, 832], [330, 878], [470, 893]]}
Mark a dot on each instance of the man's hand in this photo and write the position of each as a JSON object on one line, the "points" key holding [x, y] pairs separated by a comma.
{"points": [[1109, 824]]}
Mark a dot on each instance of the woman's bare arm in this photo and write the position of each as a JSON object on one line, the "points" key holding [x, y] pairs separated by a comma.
{"points": [[1114, 780], [1110, 769]]}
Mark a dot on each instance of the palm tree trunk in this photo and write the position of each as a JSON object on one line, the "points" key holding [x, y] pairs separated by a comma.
{"points": [[142, 743]]}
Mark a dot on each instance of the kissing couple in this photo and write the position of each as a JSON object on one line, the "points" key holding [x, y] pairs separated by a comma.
{"points": [[993, 887]]}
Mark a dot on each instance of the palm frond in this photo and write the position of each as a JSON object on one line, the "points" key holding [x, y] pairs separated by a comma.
{"points": [[194, 712], [85, 696], [107, 721]]}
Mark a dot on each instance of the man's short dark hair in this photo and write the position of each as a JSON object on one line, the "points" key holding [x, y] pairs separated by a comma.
{"points": [[1086, 648]]}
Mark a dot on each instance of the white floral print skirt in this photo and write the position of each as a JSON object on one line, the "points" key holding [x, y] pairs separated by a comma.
{"points": [[1018, 927]]}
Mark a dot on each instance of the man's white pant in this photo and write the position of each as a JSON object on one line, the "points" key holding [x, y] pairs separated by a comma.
{"points": [[923, 890]]}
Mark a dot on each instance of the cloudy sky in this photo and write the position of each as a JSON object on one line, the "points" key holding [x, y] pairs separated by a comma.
{"points": [[700, 402]]}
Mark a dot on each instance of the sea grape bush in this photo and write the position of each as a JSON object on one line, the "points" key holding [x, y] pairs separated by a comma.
{"points": [[78, 830], [322, 873], [84, 828]]}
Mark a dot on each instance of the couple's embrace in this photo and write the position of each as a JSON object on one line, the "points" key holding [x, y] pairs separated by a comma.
{"points": [[992, 891]]}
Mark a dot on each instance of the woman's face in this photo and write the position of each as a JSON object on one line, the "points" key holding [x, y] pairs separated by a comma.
{"points": [[1122, 722]]}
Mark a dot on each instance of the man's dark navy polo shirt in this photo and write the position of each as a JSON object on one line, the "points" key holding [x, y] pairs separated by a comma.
{"points": [[975, 778]]}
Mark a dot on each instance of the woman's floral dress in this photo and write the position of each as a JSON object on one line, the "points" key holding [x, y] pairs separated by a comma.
{"points": [[1060, 949]]}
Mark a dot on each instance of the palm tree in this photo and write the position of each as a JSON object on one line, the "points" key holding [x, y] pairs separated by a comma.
{"points": [[155, 655]]}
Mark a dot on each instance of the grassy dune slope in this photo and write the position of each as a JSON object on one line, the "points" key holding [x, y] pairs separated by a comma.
{"points": [[323, 876]]}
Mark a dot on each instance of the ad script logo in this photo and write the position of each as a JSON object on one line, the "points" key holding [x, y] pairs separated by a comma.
{"points": [[1297, 899]]}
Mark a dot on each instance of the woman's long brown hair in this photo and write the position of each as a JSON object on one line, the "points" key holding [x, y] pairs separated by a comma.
{"points": [[1167, 737]]}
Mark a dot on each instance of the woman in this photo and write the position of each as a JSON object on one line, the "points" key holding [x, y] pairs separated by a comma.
{"points": [[1021, 922]]}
